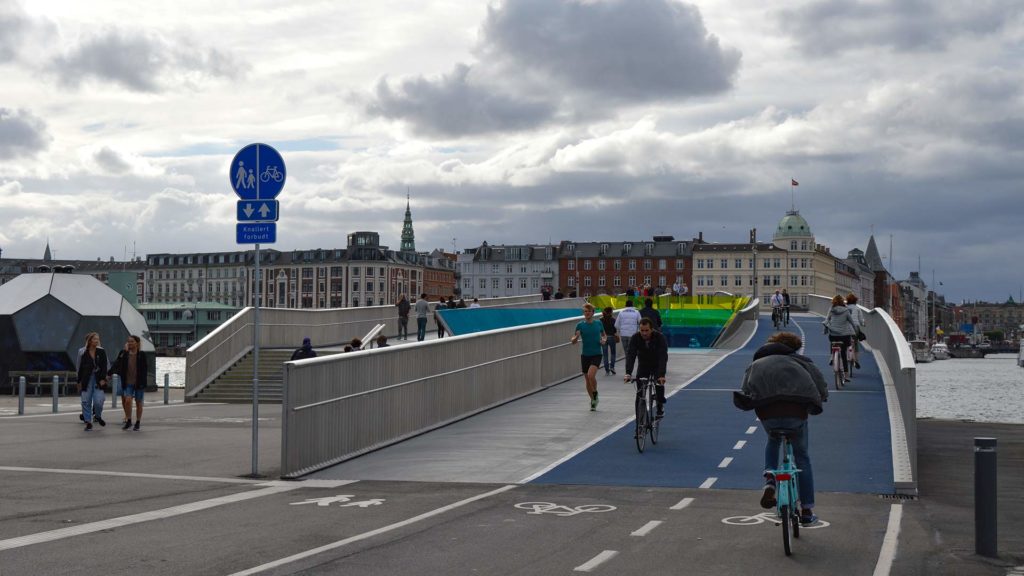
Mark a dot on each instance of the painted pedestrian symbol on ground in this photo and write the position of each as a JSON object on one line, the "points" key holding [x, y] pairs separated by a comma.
{"points": [[342, 500], [557, 510], [768, 517]]}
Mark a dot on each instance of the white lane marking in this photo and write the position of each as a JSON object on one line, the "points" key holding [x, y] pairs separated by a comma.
{"points": [[725, 462], [892, 534], [371, 533], [752, 429], [629, 420], [682, 504], [596, 561], [709, 482], [646, 528], [739, 445], [112, 523], [133, 475]]}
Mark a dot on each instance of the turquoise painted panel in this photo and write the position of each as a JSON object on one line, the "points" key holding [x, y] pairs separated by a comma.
{"points": [[471, 320]]}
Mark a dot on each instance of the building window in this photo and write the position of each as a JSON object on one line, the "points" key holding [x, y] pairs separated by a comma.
{"points": [[601, 264], [369, 288], [355, 286], [571, 264], [737, 281], [632, 264], [586, 281], [725, 262], [586, 264], [508, 283], [792, 244], [617, 265], [711, 263], [648, 264], [572, 281], [356, 271], [700, 263], [700, 280], [792, 280], [536, 283], [632, 280], [767, 280], [601, 282], [662, 264], [617, 282], [679, 264], [494, 283], [776, 280], [723, 281], [483, 283], [522, 283], [777, 262]]}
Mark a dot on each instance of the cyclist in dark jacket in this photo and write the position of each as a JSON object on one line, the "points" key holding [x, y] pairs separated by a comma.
{"points": [[651, 349], [783, 387]]}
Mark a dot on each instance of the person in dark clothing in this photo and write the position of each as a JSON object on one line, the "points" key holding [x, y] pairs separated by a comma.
{"points": [[132, 367], [92, 379], [545, 293], [649, 350], [558, 294], [382, 341], [403, 317], [611, 333], [783, 387], [648, 311], [306, 351]]}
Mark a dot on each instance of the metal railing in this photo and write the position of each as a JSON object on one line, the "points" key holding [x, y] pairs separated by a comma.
{"points": [[899, 374], [339, 407], [286, 327]]}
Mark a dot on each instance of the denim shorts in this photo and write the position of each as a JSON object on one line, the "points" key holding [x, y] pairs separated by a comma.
{"points": [[133, 392]]}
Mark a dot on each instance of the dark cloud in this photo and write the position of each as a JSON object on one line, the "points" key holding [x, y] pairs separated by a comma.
{"points": [[143, 63], [453, 105], [21, 134], [542, 60], [13, 27], [111, 161], [827, 27], [636, 50]]}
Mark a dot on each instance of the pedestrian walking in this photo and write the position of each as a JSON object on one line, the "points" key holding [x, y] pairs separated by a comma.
{"points": [[92, 378], [304, 351], [441, 305], [403, 317], [611, 337], [627, 324], [422, 309], [132, 367]]}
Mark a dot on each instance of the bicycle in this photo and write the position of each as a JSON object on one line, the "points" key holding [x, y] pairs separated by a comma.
{"points": [[837, 364], [787, 491], [776, 316], [646, 406]]}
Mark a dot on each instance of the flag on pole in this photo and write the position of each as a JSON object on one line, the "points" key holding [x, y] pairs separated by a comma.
{"points": [[794, 182]]}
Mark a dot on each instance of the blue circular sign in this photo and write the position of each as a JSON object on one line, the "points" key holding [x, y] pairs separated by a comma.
{"points": [[257, 172]]}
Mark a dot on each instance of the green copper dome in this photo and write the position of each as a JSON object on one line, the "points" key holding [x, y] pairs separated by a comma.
{"points": [[793, 225]]}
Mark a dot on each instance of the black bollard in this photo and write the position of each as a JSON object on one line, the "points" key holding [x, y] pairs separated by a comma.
{"points": [[985, 508]]}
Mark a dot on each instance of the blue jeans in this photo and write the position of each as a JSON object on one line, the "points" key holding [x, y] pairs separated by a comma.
{"points": [[92, 400], [608, 353], [421, 329], [800, 454]]}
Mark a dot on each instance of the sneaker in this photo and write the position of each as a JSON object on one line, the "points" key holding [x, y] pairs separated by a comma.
{"points": [[613, 370], [768, 496], [81, 417], [127, 425], [856, 364], [807, 518], [660, 412], [88, 426], [593, 404], [136, 427], [100, 420], [595, 399]]}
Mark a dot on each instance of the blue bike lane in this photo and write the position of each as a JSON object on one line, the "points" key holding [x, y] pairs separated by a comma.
{"points": [[706, 442]]}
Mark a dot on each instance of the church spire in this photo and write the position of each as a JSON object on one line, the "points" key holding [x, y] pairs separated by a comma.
{"points": [[46, 254], [408, 238]]}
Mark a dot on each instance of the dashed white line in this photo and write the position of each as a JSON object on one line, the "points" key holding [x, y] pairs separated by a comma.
{"points": [[725, 462], [682, 504], [752, 429], [646, 528], [709, 482], [739, 445], [596, 561]]}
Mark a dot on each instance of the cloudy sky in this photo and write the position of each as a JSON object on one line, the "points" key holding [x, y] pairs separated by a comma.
{"points": [[522, 121]]}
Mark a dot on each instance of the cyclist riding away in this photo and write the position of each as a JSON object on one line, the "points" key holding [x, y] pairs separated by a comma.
{"points": [[858, 321], [840, 328], [649, 349], [777, 302], [783, 387], [785, 306]]}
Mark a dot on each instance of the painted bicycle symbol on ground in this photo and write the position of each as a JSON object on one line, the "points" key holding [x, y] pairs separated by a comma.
{"points": [[768, 517], [557, 510]]}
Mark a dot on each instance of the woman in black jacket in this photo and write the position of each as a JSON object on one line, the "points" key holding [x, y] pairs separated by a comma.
{"points": [[92, 378], [132, 366]]}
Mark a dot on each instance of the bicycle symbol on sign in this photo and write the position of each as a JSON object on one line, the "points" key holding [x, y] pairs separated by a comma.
{"points": [[557, 510], [271, 173], [763, 517]]}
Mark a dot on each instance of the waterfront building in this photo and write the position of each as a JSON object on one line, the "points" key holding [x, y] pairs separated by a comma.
{"points": [[438, 275], [590, 268], [864, 285], [507, 270], [220, 277], [126, 277], [809, 267], [1006, 317], [173, 327], [739, 268]]}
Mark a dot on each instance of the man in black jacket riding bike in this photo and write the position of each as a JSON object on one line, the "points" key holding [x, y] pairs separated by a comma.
{"points": [[650, 347]]}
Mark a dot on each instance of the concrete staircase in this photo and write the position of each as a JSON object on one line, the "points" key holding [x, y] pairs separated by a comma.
{"points": [[235, 384]]}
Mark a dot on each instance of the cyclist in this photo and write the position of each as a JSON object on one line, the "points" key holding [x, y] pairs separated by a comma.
{"points": [[649, 349], [777, 301], [783, 386], [858, 320], [785, 306], [840, 328]]}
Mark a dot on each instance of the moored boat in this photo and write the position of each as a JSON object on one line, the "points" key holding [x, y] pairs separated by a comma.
{"points": [[940, 351], [921, 350]]}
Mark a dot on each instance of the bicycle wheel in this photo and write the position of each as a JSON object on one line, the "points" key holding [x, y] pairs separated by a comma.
{"points": [[787, 519], [641, 424], [652, 407], [794, 497], [839, 378]]}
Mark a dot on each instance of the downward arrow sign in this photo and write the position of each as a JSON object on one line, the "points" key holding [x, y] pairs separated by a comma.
{"points": [[248, 210], [263, 210]]}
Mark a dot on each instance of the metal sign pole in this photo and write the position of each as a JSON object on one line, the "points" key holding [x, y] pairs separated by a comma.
{"points": [[256, 369]]}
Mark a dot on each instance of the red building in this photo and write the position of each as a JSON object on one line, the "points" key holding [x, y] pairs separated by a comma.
{"points": [[591, 268]]}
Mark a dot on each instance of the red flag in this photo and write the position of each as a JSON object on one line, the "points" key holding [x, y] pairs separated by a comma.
{"points": [[794, 182]]}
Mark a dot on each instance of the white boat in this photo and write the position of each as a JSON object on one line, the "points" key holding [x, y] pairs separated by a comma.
{"points": [[940, 351], [921, 350]]}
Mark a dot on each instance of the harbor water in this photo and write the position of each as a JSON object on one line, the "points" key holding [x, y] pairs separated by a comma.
{"points": [[979, 390], [172, 366]]}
